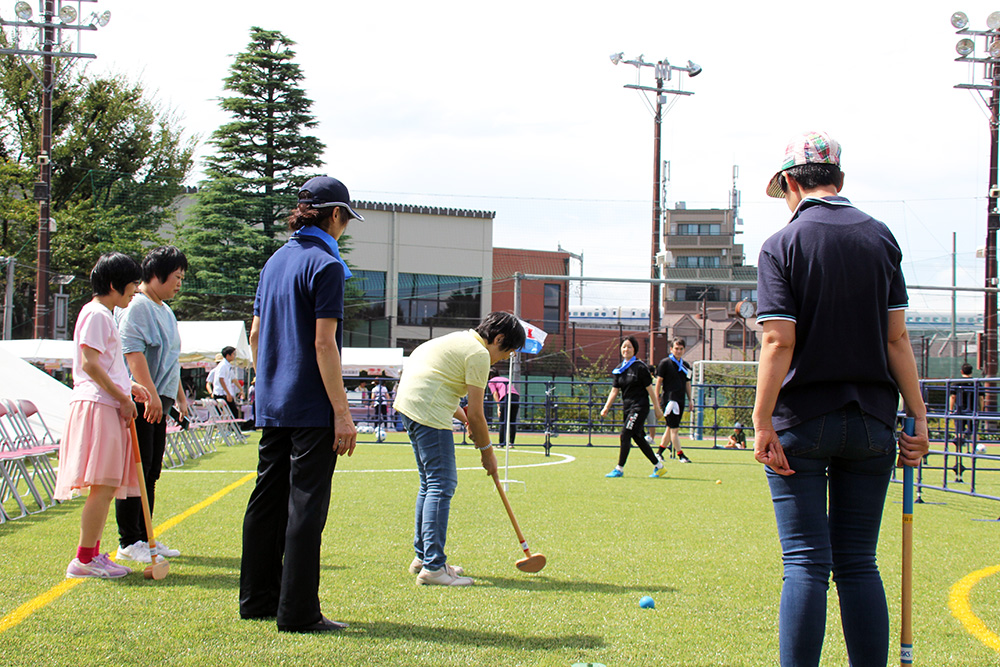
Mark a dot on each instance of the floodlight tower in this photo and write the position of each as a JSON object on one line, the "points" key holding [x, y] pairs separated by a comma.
{"points": [[663, 72], [991, 72], [52, 45]]}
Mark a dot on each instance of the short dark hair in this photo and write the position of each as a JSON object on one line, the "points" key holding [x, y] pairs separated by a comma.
{"points": [[678, 341], [966, 369], [227, 350], [635, 343], [161, 262], [811, 176], [502, 324], [113, 270]]}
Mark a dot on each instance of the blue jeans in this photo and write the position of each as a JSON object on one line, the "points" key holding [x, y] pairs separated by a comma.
{"points": [[829, 513], [434, 450]]}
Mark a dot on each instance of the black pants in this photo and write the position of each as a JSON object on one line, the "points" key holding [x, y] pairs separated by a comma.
{"points": [[635, 430], [283, 525], [232, 406], [515, 405], [152, 440]]}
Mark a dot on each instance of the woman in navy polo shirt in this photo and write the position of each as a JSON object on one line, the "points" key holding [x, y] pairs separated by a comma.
{"points": [[301, 405], [632, 380]]}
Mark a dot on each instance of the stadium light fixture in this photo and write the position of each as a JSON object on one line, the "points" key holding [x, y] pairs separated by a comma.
{"points": [[101, 20], [67, 14], [23, 10], [959, 20], [965, 46], [617, 57]]}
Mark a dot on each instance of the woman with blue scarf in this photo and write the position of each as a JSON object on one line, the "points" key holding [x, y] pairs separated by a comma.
{"points": [[301, 406], [632, 380]]}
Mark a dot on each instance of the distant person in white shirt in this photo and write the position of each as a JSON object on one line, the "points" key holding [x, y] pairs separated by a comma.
{"points": [[224, 385]]}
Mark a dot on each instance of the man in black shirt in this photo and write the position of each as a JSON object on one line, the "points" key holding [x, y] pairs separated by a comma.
{"points": [[673, 385]]}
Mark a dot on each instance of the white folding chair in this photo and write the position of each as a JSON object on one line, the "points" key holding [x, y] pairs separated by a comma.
{"points": [[28, 443], [13, 461]]}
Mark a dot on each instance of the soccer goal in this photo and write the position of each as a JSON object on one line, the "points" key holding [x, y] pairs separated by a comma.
{"points": [[723, 395]]}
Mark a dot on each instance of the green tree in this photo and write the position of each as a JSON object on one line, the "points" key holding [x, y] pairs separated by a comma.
{"points": [[262, 155], [118, 163]]}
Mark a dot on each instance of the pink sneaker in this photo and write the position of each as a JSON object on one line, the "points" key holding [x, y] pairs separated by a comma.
{"points": [[100, 567]]}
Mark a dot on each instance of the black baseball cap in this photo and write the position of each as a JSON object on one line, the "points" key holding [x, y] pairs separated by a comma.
{"points": [[324, 192]]}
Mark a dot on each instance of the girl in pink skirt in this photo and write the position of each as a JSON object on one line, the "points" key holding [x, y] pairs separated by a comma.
{"points": [[96, 449]]}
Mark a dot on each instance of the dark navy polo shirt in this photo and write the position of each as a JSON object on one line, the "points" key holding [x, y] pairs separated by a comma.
{"points": [[835, 272], [300, 283]]}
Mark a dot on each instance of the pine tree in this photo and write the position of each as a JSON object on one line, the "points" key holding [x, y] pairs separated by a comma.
{"points": [[262, 156]]}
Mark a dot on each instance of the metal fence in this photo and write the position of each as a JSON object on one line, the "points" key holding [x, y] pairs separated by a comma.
{"points": [[960, 430]]}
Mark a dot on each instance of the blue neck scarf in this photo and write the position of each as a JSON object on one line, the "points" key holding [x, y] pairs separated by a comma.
{"points": [[328, 241], [680, 365], [624, 365]]}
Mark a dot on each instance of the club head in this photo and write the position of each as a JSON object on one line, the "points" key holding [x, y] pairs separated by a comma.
{"points": [[158, 570], [533, 563]]}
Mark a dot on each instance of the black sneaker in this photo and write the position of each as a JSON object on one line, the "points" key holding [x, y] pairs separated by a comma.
{"points": [[683, 458]]}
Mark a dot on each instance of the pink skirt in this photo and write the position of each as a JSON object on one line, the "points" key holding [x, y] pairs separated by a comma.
{"points": [[96, 450]]}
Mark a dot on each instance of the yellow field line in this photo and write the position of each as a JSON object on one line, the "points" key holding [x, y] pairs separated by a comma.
{"points": [[28, 608], [958, 603]]}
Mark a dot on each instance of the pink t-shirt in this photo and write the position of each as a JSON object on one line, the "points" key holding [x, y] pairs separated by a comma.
{"points": [[95, 328]]}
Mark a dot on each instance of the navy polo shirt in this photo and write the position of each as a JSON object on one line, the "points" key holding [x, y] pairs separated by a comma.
{"points": [[835, 272], [302, 282]]}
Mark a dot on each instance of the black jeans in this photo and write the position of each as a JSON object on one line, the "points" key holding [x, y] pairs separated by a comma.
{"points": [[283, 525], [515, 405], [152, 443], [634, 429]]}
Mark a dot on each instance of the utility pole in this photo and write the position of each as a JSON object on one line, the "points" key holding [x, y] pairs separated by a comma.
{"points": [[663, 72], [50, 34], [991, 72], [8, 302]]}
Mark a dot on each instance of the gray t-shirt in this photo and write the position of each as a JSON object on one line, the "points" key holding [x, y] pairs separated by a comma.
{"points": [[152, 329]]}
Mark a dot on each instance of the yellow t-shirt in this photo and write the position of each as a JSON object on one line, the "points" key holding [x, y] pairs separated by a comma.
{"points": [[437, 374]]}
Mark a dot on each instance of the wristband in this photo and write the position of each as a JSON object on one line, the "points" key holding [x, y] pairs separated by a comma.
{"points": [[483, 449]]}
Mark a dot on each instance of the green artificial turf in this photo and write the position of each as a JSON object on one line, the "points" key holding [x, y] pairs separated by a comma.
{"points": [[706, 552]]}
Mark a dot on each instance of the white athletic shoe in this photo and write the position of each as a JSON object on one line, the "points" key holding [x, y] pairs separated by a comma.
{"points": [[416, 565], [444, 577], [138, 552], [165, 551]]}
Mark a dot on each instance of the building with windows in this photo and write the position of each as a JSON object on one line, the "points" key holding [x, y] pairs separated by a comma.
{"points": [[419, 272], [543, 304], [700, 244]]}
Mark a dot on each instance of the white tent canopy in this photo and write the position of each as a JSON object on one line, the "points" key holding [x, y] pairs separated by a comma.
{"points": [[52, 354], [202, 341], [22, 380], [372, 360]]}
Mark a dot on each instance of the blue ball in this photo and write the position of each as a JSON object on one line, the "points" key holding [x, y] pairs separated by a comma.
{"points": [[647, 602]]}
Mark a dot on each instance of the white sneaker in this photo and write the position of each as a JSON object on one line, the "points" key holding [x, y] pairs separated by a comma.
{"points": [[165, 551], [138, 552], [416, 565], [444, 577]]}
